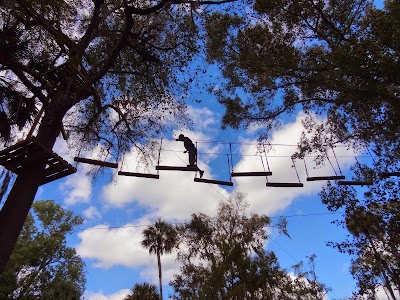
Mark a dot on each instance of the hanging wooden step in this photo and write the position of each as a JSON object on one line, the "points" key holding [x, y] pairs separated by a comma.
{"points": [[96, 162], [284, 184], [15, 158], [249, 174], [173, 168], [219, 182], [318, 178], [141, 175], [355, 182], [389, 174]]}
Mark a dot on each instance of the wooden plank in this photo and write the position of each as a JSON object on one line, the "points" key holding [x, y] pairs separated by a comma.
{"points": [[15, 158], [355, 182], [96, 162], [173, 168], [284, 184], [142, 175], [57, 175], [389, 174], [219, 182], [317, 178], [245, 174]]}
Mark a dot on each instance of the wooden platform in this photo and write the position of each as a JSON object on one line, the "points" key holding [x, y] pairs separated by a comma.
{"points": [[96, 162], [284, 184], [355, 182], [141, 175], [249, 174], [219, 182], [389, 174], [15, 158], [69, 69], [318, 178], [174, 168]]}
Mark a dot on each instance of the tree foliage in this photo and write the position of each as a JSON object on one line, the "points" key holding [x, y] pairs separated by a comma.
{"points": [[337, 59], [143, 291], [42, 266], [106, 71], [373, 220], [224, 258]]}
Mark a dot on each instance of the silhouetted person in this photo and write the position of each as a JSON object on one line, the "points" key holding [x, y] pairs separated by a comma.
{"points": [[191, 149]]}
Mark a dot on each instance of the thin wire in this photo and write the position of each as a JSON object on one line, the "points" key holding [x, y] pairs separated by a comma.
{"points": [[331, 165], [305, 166], [229, 168], [337, 162], [159, 156], [230, 151], [183, 223], [297, 173]]}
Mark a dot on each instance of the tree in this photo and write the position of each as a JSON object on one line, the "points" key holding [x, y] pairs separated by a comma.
{"points": [[143, 291], [335, 59], [105, 71], [42, 266], [224, 258], [159, 238], [373, 220]]}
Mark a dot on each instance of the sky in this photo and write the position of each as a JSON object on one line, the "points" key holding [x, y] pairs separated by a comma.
{"points": [[116, 209]]}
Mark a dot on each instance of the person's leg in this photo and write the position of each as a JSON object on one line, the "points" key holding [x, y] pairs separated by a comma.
{"points": [[192, 157]]}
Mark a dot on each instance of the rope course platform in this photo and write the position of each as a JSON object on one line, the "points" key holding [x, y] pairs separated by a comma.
{"points": [[96, 162], [318, 178], [175, 168], [355, 182], [219, 182], [284, 184], [15, 158], [141, 175], [389, 174], [250, 174], [69, 69]]}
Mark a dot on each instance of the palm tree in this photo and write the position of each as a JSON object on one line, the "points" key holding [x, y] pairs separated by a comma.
{"points": [[143, 291], [159, 238]]}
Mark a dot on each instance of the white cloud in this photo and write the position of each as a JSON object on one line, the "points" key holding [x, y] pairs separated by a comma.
{"points": [[92, 213], [122, 246], [269, 200], [120, 295], [175, 196], [77, 188]]}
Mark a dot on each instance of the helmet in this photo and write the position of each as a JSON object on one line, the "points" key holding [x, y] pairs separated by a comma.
{"points": [[181, 136]]}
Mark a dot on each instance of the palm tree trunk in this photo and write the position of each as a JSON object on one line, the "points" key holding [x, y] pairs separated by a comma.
{"points": [[159, 273]]}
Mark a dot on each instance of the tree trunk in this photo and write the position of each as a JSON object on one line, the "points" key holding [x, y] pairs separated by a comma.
{"points": [[15, 210], [19, 201], [159, 273]]}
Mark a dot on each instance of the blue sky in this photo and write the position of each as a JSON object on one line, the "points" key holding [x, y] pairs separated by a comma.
{"points": [[116, 209]]}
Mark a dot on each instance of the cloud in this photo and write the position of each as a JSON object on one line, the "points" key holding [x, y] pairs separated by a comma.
{"points": [[175, 197], [77, 189], [92, 213], [120, 295], [109, 247], [269, 200]]}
